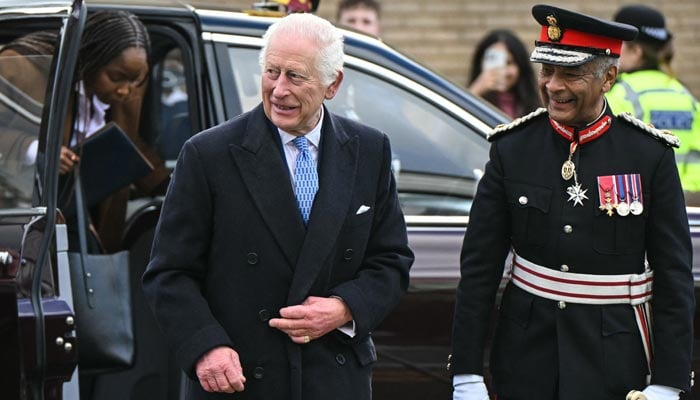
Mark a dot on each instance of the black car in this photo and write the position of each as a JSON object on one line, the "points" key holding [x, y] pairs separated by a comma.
{"points": [[204, 71]]}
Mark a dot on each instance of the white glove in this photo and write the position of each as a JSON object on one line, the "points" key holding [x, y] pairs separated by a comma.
{"points": [[659, 392], [469, 387]]}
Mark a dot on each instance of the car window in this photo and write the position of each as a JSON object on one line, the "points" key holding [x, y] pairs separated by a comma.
{"points": [[437, 159], [175, 121], [23, 81]]}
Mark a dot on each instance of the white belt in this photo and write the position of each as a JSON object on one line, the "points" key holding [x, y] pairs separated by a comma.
{"points": [[633, 289], [551, 284]]}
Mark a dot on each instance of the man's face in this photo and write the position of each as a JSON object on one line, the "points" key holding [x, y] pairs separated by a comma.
{"points": [[362, 19], [292, 88], [573, 95]]}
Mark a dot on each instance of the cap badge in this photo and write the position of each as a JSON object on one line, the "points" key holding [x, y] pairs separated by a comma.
{"points": [[553, 31]]}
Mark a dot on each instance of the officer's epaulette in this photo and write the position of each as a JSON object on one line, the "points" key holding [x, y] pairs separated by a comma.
{"points": [[660, 134], [501, 129]]}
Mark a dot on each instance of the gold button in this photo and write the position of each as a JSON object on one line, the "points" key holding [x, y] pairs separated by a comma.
{"points": [[564, 268], [561, 305], [522, 200]]}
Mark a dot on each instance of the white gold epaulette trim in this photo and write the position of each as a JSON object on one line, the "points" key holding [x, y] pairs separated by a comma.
{"points": [[500, 129], [660, 134]]}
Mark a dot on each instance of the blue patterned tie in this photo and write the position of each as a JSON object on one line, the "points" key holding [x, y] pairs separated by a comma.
{"points": [[305, 177]]}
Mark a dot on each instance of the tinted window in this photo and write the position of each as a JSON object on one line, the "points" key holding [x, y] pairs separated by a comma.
{"points": [[175, 122], [23, 81]]}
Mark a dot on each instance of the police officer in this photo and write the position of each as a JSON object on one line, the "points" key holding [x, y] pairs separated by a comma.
{"points": [[591, 206], [650, 94]]}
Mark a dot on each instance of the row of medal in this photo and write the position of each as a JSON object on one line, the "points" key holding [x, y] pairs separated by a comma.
{"points": [[621, 194]]}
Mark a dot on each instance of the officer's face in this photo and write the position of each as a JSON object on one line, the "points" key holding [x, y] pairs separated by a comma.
{"points": [[573, 95]]}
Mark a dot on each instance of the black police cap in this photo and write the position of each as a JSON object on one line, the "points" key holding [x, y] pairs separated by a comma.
{"points": [[650, 22]]}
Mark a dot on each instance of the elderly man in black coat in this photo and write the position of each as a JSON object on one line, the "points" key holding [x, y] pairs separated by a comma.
{"points": [[269, 273]]}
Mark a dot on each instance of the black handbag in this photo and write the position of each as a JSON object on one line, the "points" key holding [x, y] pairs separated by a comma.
{"points": [[102, 301]]}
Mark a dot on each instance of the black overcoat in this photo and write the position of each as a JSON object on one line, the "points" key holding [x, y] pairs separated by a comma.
{"points": [[231, 250], [543, 350]]}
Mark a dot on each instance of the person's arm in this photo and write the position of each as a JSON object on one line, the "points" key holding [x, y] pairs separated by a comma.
{"points": [[669, 253], [490, 80], [128, 116], [481, 271], [380, 281], [174, 279]]}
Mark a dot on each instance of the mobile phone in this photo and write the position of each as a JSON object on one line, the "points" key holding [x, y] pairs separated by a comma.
{"points": [[494, 58]]}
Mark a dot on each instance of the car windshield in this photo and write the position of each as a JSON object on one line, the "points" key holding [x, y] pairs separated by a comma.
{"points": [[22, 90]]}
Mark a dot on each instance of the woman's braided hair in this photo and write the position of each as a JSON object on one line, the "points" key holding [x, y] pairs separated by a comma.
{"points": [[106, 35]]}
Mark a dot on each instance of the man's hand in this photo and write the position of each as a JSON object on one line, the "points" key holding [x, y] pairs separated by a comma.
{"points": [[312, 319], [220, 370]]}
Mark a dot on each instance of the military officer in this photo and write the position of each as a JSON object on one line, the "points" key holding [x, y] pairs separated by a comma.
{"points": [[591, 205]]}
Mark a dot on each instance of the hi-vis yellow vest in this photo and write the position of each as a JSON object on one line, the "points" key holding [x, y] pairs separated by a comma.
{"points": [[662, 101]]}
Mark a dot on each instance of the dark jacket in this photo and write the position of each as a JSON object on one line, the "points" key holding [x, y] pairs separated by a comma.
{"points": [[231, 250], [579, 351]]}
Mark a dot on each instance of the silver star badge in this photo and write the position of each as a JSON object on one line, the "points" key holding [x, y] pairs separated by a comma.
{"points": [[576, 194]]}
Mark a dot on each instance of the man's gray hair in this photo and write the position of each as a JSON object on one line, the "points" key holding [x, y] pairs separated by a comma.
{"points": [[329, 60], [601, 64]]}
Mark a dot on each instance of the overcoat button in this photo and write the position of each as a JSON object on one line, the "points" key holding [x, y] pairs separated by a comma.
{"points": [[340, 359], [522, 200], [347, 254], [264, 315], [568, 229], [564, 268], [258, 372], [252, 258], [561, 305]]}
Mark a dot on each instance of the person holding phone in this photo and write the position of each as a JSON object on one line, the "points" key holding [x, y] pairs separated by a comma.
{"points": [[502, 74]]}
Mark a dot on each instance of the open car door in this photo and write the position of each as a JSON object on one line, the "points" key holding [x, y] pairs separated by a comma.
{"points": [[37, 324]]}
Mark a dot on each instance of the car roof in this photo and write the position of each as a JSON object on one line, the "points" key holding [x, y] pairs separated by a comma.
{"points": [[36, 3]]}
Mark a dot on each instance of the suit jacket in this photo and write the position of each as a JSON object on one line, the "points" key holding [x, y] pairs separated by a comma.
{"points": [[231, 250], [580, 351]]}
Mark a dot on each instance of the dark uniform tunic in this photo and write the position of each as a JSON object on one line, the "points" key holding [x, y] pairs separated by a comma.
{"points": [[545, 349]]}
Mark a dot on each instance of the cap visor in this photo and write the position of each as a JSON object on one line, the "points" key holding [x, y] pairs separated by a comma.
{"points": [[555, 56]]}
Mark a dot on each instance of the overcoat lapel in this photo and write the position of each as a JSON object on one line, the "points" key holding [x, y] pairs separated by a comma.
{"points": [[266, 177], [338, 162]]}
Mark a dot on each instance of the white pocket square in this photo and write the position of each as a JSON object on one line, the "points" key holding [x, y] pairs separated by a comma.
{"points": [[363, 209]]}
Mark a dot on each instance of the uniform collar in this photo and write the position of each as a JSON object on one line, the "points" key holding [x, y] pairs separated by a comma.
{"points": [[591, 132]]}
